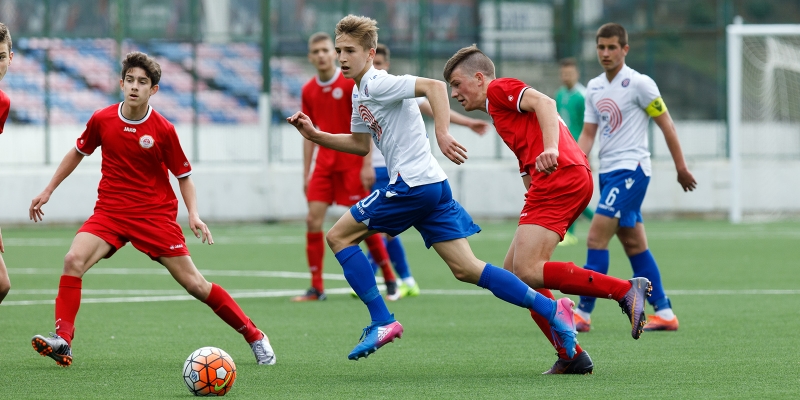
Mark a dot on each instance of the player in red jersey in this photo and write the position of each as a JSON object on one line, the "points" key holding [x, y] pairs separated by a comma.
{"points": [[5, 104], [135, 203], [332, 176], [559, 181]]}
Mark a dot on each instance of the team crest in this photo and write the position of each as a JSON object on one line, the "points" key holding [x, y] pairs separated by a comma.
{"points": [[626, 82], [146, 141], [366, 91], [510, 98], [337, 93]]}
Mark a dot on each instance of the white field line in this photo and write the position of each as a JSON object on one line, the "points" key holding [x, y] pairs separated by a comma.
{"points": [[413, 237], [163, 271]]}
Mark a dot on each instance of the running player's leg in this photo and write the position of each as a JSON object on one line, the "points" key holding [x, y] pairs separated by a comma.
{"points": [[5, 282], [634, 241], [506, 286], [397, 253], [86, 250], [543, 322], [343, 239], [183, 270], [315, 246], [601, 230]]}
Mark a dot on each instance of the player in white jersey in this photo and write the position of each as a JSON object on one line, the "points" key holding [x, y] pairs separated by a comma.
{"points": [[408, 285], [619, 105], [418, 194]]}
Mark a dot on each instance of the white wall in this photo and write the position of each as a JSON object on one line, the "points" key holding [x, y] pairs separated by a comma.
{"points": [[486, 186]]}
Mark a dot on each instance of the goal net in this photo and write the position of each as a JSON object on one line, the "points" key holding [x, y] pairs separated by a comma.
{"points": [[763, 108]]}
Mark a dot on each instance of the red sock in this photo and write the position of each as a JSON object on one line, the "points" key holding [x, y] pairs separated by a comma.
{"points": [[226, 308], [315, 251], [545, 327], [378, 250], [572, 279], [68, 301]]}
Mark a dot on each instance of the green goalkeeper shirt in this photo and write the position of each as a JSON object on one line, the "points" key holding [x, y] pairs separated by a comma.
{"points": [[570, 103]]}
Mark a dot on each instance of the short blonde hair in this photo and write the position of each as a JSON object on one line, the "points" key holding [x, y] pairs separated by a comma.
{"points": [[363, 29]]}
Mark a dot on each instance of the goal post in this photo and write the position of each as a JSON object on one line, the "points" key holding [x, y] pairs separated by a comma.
{"points": [[769, 53]]}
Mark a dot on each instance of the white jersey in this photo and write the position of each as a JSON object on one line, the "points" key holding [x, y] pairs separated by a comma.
{"points": [[378, 161], [384, 106], [618, 109]]}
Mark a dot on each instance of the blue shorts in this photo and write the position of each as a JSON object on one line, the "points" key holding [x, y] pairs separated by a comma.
{"points": [[621, 195], [381, 178], [430, 208]]}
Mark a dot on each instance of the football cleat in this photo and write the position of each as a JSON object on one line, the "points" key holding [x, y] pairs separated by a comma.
{"points": [[633, 304], [569, 240], [582, 325], [409, 291], [263, 351], [376, 336], [54, 347], [656, 323], [580, 365], [562, 326], [392, 294], [311, 295]]}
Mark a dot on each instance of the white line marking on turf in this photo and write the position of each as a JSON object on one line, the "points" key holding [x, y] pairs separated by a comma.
{"points": [[248, 294], [163, 271]]}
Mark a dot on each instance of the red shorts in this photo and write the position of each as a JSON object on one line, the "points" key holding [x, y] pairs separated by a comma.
{"points": [[556, 201], [155, 236], [340, 187]]}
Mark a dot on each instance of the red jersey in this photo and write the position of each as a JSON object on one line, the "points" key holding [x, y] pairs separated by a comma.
{"points": [[330, 105], [136, 157], [521, 131], [5, 105]]}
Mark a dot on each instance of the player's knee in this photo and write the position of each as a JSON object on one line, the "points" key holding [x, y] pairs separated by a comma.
{"points": [[5, 286], [530, 273], [74, 264], [594, 241], [198, 287], [313, 223]]}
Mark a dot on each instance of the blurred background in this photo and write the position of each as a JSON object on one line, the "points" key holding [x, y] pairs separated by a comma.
{"points": [[229, 109]]}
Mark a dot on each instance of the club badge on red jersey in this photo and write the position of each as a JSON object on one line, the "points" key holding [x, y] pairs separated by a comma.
{"points": [[146, 141]]}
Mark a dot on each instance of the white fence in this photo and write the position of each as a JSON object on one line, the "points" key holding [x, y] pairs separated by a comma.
{"points": [[246, 173]]}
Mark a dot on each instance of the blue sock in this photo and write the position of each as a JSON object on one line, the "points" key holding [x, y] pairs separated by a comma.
{"points": [[372, 263], [596, 260], [398, 256], [360, 277], [644, 265], [507, 286]]}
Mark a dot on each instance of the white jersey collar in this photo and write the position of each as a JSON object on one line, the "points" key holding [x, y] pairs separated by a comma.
{"points": [[130, 121], [329, 81]]}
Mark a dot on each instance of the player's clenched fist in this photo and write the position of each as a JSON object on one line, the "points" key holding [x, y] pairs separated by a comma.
{"points": [[547, 162]]}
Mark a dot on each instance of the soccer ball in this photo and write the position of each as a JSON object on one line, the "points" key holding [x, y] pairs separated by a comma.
{"points": [[209, 371]]}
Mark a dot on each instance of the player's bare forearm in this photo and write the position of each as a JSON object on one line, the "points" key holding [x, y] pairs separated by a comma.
{"points": [[436, 93], [664, 121], [308, 154], [685, 177], [189, 194], [477, 125], [586, 139], [526, 180], [198, 227], [64, 169], [355, 143]]}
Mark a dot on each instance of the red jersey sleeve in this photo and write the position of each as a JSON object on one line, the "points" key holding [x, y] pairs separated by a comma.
{"points": [[173, 155], [506, 93], [89, 139], [5, 106]]}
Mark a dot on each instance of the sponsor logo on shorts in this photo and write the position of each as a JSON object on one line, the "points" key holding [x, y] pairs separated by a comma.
{"points": [[146, 141], [360, 208], [176, 246], [523, 215], [605, 207], [629, 183], [391, 194]]}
